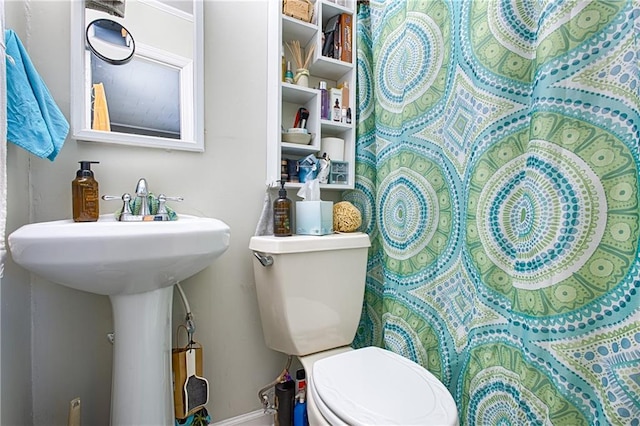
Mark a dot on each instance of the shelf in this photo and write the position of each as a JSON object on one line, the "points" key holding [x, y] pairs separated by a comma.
{"points": [[330, 186], [333, 127], [297, 149], [330, 9], [285, 99], [330, 68], [295, 29], [297, 94]]}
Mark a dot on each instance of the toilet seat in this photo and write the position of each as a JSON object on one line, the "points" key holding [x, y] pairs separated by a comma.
{"points": [[326, 413], [373, 386]]}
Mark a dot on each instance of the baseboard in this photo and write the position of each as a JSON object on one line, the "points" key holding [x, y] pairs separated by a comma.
{"points": [[254, 418]]}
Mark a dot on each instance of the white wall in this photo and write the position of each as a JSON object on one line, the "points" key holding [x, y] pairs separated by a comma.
{"points": [[53, 339], [16, 347], [3, 173]]}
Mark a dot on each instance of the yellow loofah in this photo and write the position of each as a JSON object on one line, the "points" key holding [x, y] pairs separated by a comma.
{"points": [[346, 217]]}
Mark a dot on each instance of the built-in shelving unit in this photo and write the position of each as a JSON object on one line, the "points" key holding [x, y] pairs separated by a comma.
{"points": [[284, 99]]}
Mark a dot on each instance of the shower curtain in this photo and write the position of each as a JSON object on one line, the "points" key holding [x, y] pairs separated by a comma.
{"points": [[497, 172]]}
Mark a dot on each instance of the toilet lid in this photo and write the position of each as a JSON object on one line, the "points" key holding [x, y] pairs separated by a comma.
{"points": [[373, 386]]}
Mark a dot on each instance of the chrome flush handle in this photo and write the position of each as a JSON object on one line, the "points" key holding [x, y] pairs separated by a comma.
{"points": [[264, 259]]}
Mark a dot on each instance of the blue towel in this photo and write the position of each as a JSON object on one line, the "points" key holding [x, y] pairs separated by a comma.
{"points": [[34, 121]]}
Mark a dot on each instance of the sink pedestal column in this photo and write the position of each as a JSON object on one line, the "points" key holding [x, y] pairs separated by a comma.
{"points": [[141, 392]]}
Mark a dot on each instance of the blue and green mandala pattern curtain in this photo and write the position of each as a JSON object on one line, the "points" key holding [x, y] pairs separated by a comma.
{"points": [[497, 172]]}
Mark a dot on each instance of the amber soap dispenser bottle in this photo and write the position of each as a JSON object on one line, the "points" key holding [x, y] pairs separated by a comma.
{"points": [[84, 191], [282, 214]]}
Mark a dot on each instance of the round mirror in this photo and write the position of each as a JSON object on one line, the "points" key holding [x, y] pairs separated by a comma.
{"points": [[110, 41]]}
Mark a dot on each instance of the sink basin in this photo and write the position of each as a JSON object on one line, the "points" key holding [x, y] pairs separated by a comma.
{"points": [[136, 264], [109, 257]]}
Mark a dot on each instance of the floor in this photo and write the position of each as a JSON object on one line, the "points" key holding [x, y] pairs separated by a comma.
{"points": [[255, 418]]}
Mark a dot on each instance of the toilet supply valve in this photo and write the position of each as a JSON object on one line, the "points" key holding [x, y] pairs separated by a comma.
{"points": [[263, 394]]}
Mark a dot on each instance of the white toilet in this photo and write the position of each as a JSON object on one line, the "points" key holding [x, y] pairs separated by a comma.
{"points": [[310, 293]]}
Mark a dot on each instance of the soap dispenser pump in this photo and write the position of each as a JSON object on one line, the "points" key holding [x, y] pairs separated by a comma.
{"points": [[282, 213], [85, 195]]}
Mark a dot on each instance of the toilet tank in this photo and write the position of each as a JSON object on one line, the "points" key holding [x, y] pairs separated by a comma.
{"points": [[310, 298]]}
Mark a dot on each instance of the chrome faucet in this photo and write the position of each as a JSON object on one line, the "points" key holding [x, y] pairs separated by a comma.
{"points": [[142, 193]]}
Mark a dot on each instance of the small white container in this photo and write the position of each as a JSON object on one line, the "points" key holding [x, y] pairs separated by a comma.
{"points": [[334, 147], [297, 135]]}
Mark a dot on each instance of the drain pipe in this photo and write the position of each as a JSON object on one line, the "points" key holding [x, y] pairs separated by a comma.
{"points": [[262, 393]]}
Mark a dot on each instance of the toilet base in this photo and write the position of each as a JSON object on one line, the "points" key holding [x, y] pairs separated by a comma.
{"points": [[313, 413]]}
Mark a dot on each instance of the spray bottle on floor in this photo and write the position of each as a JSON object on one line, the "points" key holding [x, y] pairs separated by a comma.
{"points": [[300, 410]]}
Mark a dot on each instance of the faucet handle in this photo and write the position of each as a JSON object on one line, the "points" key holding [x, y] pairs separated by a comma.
{"points": [[126, 203], [162, 199]]}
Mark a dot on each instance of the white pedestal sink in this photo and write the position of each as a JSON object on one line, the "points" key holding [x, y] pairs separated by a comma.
{"points": [[136, 264]]}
